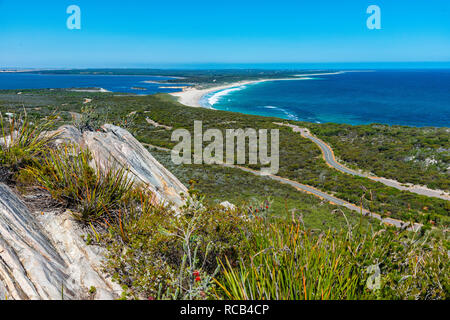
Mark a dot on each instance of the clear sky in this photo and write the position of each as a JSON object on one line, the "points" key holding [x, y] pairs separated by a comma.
{"points": [[150, 33]]}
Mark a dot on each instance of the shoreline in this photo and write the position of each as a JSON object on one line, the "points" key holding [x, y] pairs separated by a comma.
{"points": [[102, 90], [191, 96]]}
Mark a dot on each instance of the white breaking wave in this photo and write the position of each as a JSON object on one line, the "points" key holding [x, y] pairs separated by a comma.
{"points": [[215, 97], [218, 95], [288, 114]]}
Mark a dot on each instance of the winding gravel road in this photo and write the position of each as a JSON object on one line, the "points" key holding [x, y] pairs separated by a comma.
{"points": [[330, 159], [316, 192], [332, 199]]}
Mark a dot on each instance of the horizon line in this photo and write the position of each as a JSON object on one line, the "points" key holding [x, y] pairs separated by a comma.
{"points": [[233, 65]]}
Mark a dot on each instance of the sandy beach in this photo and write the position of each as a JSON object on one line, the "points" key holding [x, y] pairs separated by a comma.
{"points": [[191, 96]]}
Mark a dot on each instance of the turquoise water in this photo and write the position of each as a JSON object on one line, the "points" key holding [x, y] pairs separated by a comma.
{"points": [[407, 97]]}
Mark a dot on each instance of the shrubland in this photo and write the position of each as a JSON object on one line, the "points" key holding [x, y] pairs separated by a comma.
{"points": [[267, 247]]}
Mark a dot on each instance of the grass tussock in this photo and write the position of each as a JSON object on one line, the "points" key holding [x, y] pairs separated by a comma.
{"points": [[66, 173], [288, 263], [284, 260], [216, 253], [22, 141]]}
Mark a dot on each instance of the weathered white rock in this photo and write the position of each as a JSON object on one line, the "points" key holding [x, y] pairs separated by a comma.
{"points": [[228, 205], [66, 134], [45, 257], [118, 145], [84, 261], [115, 146], [5, 141]]}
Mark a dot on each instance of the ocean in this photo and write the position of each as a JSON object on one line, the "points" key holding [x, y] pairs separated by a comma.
{"points": [[407, 97], [113, 83], [395, 97]]}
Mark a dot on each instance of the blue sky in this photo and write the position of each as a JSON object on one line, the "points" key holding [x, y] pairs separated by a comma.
{"points": [[151, 33]]}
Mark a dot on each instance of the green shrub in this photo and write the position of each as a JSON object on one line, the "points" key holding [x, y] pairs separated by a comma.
{"points": [[67, 175], [170, 257], [285, 261], [21, 141], [211, 252]]}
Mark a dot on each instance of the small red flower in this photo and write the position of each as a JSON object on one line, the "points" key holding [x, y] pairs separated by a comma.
{"points": [[256, 210], [197, 279], [267, 207], [196, 273], [151, 298]]}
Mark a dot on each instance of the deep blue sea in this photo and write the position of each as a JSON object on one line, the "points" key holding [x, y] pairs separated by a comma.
{"points": [[408, 97], [114, 83]]}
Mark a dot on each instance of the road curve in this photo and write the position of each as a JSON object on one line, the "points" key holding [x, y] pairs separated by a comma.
{"points": [[332, 199], [316, 192], [330, 160]]}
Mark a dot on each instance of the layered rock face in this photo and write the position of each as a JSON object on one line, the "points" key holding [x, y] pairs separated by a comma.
{"points": [[115, 146], [43, 255]]}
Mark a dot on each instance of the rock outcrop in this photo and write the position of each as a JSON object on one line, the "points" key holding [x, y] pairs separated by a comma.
{"points": [[43, 255], [115, 146], [228, 205]]}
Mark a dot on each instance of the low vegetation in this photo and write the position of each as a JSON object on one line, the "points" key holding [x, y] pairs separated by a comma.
{"points": [[21, 140], [273, 245], [66, 173], [286, 261], [194, 77], [217, 253], [406, 154], [300, 159]]}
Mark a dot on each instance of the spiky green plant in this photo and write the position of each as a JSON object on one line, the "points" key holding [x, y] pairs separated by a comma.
{"points": [[286, 261], [21, 140], [290, 263], [67, 175]]}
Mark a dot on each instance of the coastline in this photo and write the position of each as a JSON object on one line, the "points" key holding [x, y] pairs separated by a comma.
{"points": [[192, 96], [90, 90]]}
